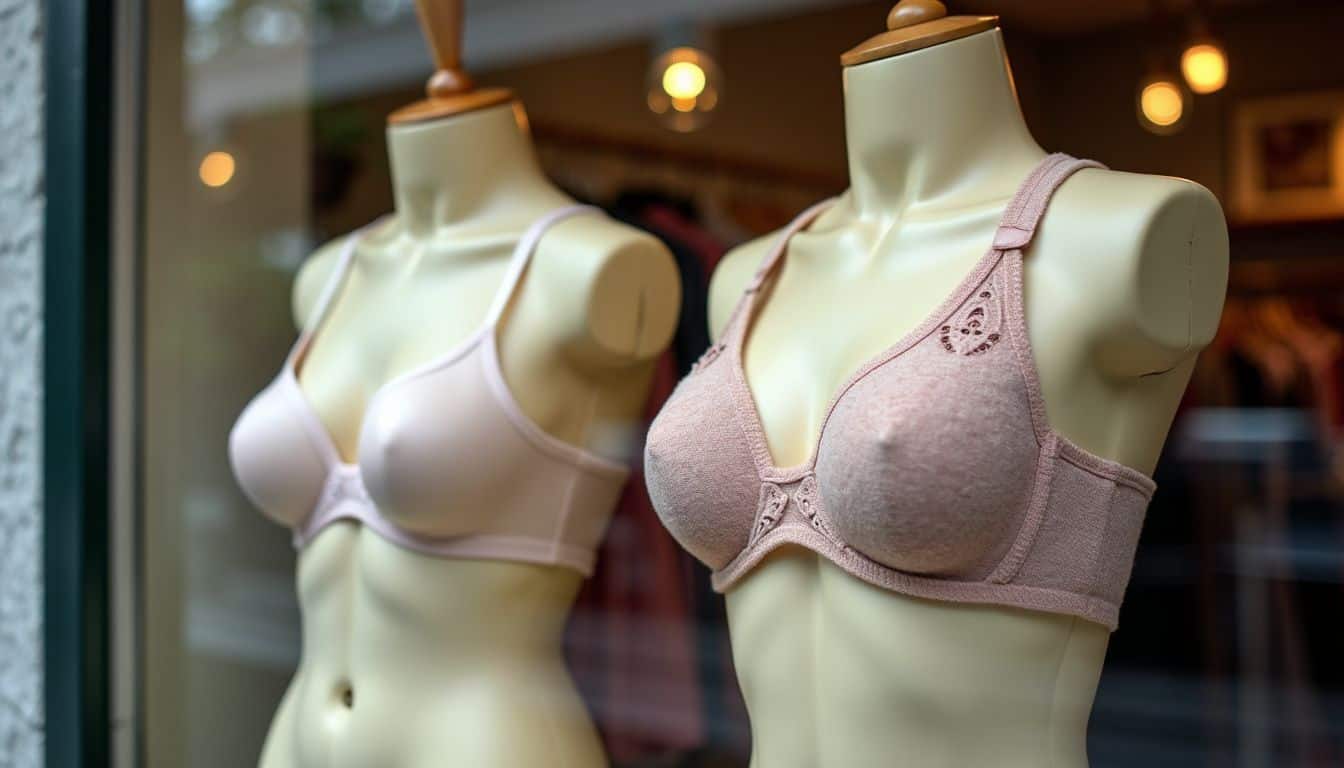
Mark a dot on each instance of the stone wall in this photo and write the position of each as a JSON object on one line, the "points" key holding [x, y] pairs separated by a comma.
{"points": [[21, 216]]}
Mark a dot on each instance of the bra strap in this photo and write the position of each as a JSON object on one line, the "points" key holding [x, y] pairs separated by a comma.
{"points": [[799, 223], [731, 326], [334, 280], [522, 255], [332, 288], [1028, 205]]}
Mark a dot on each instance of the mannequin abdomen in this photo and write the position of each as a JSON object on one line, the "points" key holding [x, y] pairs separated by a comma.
{"points": [[411, 661], [837, 672]]}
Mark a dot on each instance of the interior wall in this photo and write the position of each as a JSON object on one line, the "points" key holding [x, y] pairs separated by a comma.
{"points": [[21, 222], [783, 106], [1091, 84], [782, 112], [783, 101]]}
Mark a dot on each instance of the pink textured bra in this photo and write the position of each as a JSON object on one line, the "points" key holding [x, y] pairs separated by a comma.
{"points": [[935, 473], [449, 465]]}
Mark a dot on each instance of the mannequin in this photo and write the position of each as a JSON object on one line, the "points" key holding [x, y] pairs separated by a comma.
{"points": [[1124, 284], [415, 660]]}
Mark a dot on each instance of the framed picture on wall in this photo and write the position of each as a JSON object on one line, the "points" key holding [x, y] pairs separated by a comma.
{"points": [[1287, 159]]}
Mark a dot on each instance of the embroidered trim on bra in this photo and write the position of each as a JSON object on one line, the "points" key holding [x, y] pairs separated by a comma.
{"points": [[344, 483], [808, 499], [770, 510], [774, 503], [978, 326]]}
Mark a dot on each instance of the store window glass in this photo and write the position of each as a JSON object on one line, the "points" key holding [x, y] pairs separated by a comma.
{"points": [[709, 125]]}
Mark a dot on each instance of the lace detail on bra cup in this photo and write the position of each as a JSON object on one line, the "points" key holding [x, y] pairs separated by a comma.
{"points": [[774, 504], [808, 499], [344, 484], [769, 510], [978, 326]]}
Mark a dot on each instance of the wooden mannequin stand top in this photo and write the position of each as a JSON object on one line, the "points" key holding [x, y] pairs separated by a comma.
{"points": [[915, 24], [450, 91]]}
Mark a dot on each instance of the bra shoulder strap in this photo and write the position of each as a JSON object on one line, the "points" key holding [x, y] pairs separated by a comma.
{"points": [[522, 255], [1028, 205], [731, 328], [799, 223], [337, 276]]}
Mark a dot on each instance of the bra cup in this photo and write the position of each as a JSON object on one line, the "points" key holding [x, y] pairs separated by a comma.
{"points": [[276, 465], [928, 463], [699, 468], [434, 457]]}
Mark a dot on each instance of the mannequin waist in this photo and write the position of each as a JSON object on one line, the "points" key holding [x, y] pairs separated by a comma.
{"points": [[358, 592], [837, 672], [410, 659]]}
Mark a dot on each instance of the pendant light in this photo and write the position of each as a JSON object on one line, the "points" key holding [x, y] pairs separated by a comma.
{"points": [[1204, 61], [1162, 100], [684, 84]]}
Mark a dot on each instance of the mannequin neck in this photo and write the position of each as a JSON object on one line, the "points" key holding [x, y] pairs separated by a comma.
{"points": [[466, 167], [937, 127]]}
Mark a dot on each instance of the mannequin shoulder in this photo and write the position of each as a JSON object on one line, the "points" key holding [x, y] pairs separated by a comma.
{"points": [[614, 290], [731, 277], [312, 279], [1148, 253]]}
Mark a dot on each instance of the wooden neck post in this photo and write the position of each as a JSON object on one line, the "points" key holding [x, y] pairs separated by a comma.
{"points": [[916, 24], [450, 91]]}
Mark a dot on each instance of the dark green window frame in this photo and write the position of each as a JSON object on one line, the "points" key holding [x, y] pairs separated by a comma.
{"points": [[76, 366]]}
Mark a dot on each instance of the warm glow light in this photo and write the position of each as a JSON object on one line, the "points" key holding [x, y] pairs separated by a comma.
{"points": [[682, 86], [217, 169], [1162, 103], [684, 80], [1205, 67]]}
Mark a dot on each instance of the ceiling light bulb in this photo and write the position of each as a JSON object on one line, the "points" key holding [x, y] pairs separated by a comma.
{"points": [[684, 80], [684, 85], [1205, 67], [1162, 103]]}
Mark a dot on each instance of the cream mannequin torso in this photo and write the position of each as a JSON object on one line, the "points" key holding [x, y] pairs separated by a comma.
{"points": [[412, 660], [1124, 285]]}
